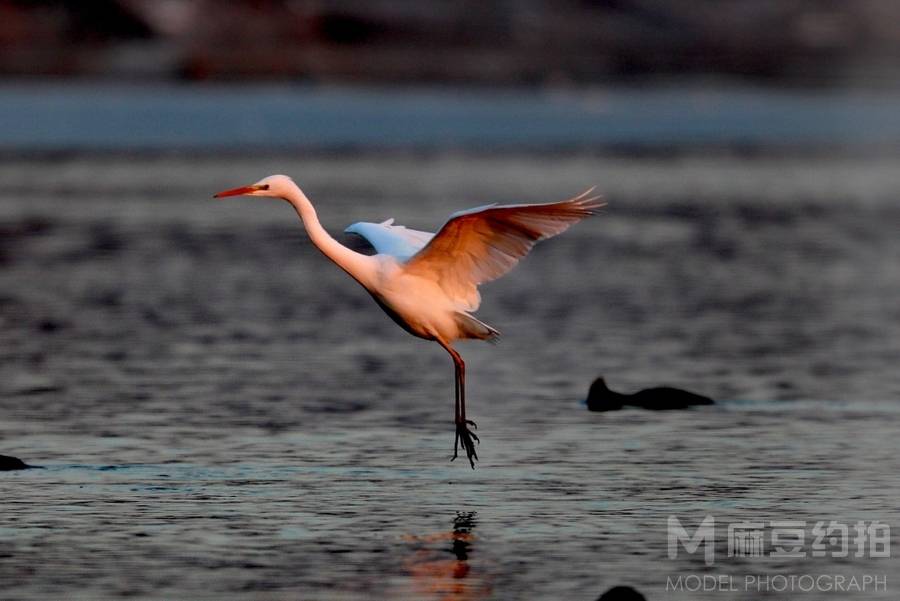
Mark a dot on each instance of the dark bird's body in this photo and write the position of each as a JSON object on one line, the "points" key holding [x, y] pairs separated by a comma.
{"points": [[8, 464], [601, 398]]}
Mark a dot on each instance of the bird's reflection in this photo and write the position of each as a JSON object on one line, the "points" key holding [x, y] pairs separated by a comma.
{"points": [[443, 578]]}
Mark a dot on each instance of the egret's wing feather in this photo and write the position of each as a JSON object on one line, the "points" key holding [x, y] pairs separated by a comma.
{"points": [[480, 245], [395, 240]]}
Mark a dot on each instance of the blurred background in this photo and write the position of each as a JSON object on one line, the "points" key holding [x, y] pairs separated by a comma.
{"points": [[519, 43], [580, 74], [195, 377]]}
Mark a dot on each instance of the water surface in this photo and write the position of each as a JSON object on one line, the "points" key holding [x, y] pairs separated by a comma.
{"points": [[222, 414]]}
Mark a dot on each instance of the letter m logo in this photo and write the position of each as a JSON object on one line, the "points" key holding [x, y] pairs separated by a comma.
{"points": [[705, 535]]}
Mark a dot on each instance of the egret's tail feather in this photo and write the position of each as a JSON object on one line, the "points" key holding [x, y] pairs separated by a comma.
{"points": [[470, 327]]}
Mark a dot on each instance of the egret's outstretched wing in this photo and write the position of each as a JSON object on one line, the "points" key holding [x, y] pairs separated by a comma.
{"points": [[482, 244], [388, 239]]}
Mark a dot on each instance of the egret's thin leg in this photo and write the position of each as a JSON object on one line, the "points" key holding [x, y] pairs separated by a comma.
{"points": [[461, 374], [463, 434], [462, 390], [456, 389]]}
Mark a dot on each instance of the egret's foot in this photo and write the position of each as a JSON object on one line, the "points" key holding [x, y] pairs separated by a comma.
{"points": [[468, 439]]}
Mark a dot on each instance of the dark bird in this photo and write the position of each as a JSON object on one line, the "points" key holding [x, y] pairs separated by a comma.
{"points": [[601, 398], [8, 464], [621, 593]]}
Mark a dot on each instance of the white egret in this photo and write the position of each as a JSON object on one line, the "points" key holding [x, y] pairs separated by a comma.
{"points": [[428, 283]]}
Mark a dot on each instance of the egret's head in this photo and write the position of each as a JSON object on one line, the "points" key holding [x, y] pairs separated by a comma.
{"points": [[277, 186]]}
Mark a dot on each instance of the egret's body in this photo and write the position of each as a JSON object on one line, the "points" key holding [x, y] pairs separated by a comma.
{"points": [[428, 283]]}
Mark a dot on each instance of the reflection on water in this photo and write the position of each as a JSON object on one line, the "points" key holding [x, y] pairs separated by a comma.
{"points": [[439, 577]]}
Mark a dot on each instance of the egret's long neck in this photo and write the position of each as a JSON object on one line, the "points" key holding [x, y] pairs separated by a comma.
{"points": [[359, 266]]}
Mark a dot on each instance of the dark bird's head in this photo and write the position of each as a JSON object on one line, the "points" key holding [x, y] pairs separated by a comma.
{"points": [[621, 593], [601, 398], [599, 386]]}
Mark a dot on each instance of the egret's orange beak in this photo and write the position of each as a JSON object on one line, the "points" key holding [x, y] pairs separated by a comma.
{"points": [[240, 191]]}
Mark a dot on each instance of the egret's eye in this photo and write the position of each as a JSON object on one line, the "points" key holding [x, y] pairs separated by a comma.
{"points": [[264, 187]]}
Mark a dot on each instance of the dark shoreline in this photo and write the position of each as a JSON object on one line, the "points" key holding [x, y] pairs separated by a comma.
{"points": [[594, 151]]}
